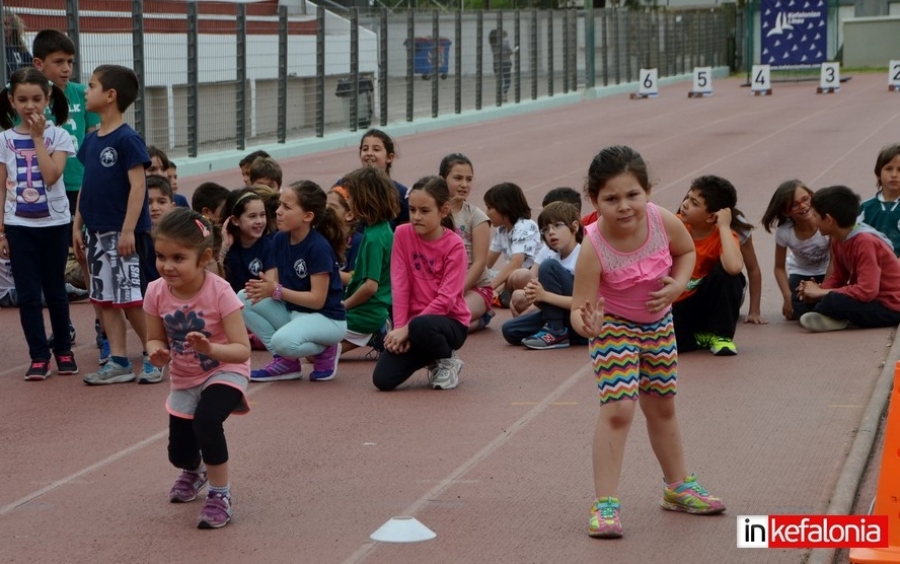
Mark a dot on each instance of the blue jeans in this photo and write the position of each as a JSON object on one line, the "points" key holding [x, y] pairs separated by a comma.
{"points": [[291, 334], [38, 257], [555, 279]]}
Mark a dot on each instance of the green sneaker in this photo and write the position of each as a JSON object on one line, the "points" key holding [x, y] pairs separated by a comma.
{"points": [[723, 347], [704, 340], [690, 497], [604, 521]]}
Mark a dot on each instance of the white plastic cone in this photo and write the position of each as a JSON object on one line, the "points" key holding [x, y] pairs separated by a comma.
{"points": [[403, 529]]}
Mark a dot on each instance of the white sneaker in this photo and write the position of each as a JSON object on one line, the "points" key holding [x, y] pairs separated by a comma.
{"points": [[149, 373], [110, 373], [445, 375], [818, 323]]}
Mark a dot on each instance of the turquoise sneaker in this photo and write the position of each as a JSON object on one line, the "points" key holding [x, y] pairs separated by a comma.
{"points": [[604, 521]]}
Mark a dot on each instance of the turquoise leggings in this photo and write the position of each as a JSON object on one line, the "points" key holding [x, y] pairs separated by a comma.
{"points": [[291, 334]]}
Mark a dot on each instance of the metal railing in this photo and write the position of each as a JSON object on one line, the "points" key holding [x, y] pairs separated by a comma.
{"points": [[219, 75]]}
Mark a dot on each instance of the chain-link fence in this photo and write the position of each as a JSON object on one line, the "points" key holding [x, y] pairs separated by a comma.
{"points": [[223, 75]]}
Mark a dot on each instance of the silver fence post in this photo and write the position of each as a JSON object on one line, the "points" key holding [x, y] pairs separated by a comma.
{"points": [[410, 53], [550, 69], [383, 69], [73, 30], [193, 76], [479, 57], [3, 52], [565, 37], [617, 46], [497, 53], [436, 55], [137, 34], [517, 60], [604, 42], [354, 69], [281, 126], [240, 91], [457, 66], [590, 71], [534, 54], [628, 36], [320, 71]]}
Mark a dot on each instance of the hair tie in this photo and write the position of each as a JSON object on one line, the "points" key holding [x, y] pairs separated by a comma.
{"points": [[245, 196], [7, 85], [203, 228], [50, 84]]}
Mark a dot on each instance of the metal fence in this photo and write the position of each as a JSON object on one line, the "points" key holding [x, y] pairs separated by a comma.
{"points": [[221, 75]]}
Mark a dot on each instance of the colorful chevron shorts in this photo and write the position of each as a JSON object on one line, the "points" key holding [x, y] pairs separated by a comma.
{"points": [[631, 358]]}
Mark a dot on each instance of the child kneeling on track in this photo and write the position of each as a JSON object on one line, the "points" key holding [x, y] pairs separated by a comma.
{"points": [[194, 324], [299, 313], [428, 273], [638, 259]]}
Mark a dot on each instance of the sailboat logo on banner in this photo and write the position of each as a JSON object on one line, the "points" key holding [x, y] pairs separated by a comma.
{"points": [[781, 24]]}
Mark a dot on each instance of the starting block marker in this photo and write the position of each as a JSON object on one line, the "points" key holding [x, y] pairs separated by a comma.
{"points": [[702, 83], [830, 79], [894, 76], [648, 84], [761, 80]]}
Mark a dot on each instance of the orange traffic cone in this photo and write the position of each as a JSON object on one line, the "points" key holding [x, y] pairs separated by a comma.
{"points": [[887, 496]]}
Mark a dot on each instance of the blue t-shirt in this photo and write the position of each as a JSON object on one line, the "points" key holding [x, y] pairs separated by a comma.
{"points": [[296, 263], [104, 194], [180, 201], [243, 264], [403, 217]]}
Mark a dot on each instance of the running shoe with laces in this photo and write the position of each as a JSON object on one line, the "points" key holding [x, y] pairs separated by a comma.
{"points": [[149, 373], [325, 364], [704, 340], [690, 497], [104, 351], [548, 338], [38, 370], [445, 374], [187, 486], [280, 368], [722, 346], [819, 323], [65, 363], [604, 521], [110, 373], [216, 511]]}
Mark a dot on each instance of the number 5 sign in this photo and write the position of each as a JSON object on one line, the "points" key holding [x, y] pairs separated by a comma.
{"points": [[702, 83]]}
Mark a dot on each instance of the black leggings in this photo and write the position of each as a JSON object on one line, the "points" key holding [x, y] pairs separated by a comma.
{"points": [[188, 438], [431, 338]]}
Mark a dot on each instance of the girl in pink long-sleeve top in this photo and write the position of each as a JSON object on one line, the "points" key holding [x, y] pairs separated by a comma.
{"points": [[428, 272]]}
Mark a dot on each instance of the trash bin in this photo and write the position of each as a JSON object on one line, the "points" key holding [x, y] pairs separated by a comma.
{"points": [[423, 53], [365, 107]]}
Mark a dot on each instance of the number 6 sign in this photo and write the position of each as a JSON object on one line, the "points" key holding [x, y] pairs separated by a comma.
{"points": [[649, 85]]}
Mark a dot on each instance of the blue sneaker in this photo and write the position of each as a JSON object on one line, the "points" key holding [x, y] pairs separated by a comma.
{"points": [[149, 373], [110, 373], [104, 352], [548, 338]]}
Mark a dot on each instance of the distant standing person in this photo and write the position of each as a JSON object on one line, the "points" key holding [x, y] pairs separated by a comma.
{"points": [[502, 53], [17, 55]]}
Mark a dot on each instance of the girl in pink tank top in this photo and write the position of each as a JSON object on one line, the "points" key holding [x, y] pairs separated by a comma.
{"points": [[640, 260]]}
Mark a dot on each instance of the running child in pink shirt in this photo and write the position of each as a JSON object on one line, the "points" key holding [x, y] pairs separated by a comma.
{"points": [[194, 324], [428, 274]]}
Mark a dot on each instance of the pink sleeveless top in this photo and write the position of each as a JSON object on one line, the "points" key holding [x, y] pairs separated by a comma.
{"points": [[628, 278]]}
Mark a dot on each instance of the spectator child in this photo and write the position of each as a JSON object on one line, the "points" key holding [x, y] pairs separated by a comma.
{"points": [[194, 325], [706, 313], [881, 211], [34, 223], [863, 287], [159, 166], [338, 200], [17, 55], [245, 163], [517, 237], [373, 199], [271, 202], [376, 148], [474, 227], [298, 313], [159, 198], [266, 171], [112, 221], [518, 303], [801, 251], [428, 271], [245, 252], [172, 175], [551, 291], [208, 200], [638, 262]]}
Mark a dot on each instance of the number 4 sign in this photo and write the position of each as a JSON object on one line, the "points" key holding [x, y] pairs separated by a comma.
{"points": [[894, 76], [702, 83], [760, 80], [830, 81]]}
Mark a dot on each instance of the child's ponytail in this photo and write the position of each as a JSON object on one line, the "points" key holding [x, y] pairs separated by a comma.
{"points": [[58, 103], [313, 199]]}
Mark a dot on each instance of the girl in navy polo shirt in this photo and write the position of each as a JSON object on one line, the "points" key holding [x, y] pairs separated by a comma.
{"points": [[246, 251], [298, 312]]}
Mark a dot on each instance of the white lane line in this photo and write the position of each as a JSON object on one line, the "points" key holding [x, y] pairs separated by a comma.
{"points": [[455, 477]]}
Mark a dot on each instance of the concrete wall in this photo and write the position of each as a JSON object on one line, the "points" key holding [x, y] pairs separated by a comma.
{"points": [[871, 42]]}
